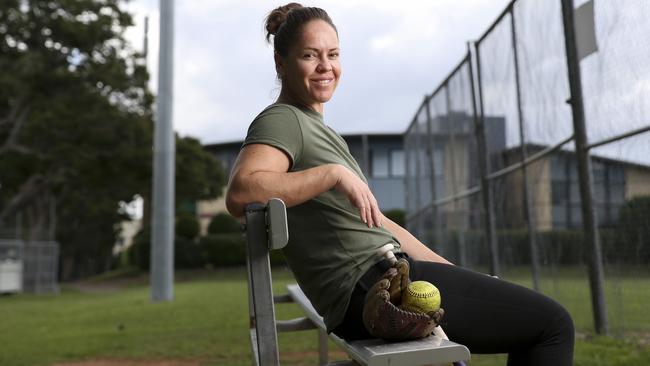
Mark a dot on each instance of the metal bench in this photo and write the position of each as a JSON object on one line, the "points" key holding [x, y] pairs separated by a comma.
{"points": [[266, 229]]}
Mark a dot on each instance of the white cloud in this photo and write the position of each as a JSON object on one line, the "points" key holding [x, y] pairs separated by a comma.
{"points": [[393, 53]]}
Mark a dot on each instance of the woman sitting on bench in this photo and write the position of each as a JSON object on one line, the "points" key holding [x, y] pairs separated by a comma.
{"points": [[336, 227]]}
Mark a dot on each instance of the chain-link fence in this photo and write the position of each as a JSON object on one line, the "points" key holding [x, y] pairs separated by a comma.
{"points": [[30, 267], [531, 160]]}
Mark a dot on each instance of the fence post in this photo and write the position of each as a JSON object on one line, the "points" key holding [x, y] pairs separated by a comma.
{"points": [[418, 176], [365, 153], [407, 186], [528, 212], [435, 215], [592, 239], [484, 170], [460, 234]]}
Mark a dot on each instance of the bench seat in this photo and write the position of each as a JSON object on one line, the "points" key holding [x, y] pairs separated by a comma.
{"points": [[376, 352]]}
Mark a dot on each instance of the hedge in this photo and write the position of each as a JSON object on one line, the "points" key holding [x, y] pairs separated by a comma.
{"points": [[216, 250]]}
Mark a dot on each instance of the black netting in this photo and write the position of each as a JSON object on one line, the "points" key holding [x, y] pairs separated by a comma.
{"points": [[462, 134], [498, 95], [537, 210], [542, 72], [616, 79]]}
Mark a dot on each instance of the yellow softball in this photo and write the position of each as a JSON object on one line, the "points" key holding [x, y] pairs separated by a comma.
{"points": [[421, 297]]}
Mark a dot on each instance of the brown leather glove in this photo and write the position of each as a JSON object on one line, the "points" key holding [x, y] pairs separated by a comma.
{"points": [[382, 316]]}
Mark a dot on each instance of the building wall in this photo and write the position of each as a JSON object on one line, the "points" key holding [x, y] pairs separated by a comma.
{"points": [[206, 209], [539, 179], [637, 182], [540, 192]]}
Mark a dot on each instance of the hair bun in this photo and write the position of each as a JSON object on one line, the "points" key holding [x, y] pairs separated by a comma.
{"points": [[277, 17]]}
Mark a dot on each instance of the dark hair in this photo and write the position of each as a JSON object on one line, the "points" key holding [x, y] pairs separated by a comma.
{"points": [[285, 24]]}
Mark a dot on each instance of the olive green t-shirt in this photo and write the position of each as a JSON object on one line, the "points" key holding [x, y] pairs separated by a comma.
{"points": [[329, 246]]}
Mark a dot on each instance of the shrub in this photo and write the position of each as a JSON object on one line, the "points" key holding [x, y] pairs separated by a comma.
{"points": [[224, 223], [634, 229], [187, 253], [187, 226], [397, 215], [229, 249], [140, 251], [224, 249]]}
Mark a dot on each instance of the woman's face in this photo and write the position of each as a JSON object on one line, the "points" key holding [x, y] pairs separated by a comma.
{"points": [[311, 70]]}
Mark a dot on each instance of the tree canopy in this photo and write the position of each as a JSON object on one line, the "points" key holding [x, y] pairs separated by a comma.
{"points": [[76, 123]]}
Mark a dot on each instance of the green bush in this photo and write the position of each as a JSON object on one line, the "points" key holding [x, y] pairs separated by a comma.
{"points": [[187, 226], [187, 253], [223, 223], [224, 250], [140, 251], [634, 229], [558, 246], [397, 215]]}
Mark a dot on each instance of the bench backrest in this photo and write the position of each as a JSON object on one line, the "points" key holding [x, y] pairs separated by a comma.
{"points": [[266, 228]]}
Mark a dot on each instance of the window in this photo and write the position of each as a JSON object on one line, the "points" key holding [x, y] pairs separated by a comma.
{"points": [[392, 163], [559, 217], [576, 216], [397, 163], [558, 192], [379, 164]]}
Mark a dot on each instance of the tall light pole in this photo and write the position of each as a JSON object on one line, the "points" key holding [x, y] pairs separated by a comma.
{"points": [[162, 235]]}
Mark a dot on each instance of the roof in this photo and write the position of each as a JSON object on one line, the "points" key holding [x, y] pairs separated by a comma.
{"points": [[238, 143], [539, 147]]}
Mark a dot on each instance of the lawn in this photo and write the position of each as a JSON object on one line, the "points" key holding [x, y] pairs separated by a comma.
{"points": [[626, 295], [205, 324]]}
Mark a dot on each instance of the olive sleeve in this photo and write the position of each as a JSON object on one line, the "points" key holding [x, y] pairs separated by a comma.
{"points": [[277, 126]]}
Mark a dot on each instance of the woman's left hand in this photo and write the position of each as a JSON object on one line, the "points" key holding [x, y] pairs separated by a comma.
{"points": [[359, 194]]}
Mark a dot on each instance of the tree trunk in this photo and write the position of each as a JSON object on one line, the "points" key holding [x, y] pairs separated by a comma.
{"points": [[32, 188]]}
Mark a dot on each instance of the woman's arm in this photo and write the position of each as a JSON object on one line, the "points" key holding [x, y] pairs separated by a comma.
{"points": [[261, 172], [411, 245]]}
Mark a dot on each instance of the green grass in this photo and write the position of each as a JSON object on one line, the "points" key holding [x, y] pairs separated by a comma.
{"points": [[626, 296], [208, 322]]}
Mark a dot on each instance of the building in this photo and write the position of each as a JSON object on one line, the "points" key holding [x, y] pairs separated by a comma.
{"points": [[380, 156], [442, 162], [442, 157], [555, 191]]}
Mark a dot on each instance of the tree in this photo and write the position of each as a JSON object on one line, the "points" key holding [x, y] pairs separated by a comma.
{"points": [[76, 126]]}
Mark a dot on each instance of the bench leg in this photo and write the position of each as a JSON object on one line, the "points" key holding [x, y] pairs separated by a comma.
{"points": [[322, 347]]}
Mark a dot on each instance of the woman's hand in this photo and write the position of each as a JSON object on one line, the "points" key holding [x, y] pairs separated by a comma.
{"points": [[359, 194]]}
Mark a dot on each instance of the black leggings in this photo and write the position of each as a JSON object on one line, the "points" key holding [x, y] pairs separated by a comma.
{"points": [[486, 314]]}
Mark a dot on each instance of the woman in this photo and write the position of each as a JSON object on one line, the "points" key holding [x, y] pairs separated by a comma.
{"points": [[336, 227]]}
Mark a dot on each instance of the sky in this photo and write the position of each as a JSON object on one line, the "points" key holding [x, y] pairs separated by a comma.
{"points": [[392, 54]]}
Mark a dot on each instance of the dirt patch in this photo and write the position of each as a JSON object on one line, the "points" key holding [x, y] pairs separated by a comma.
{"points": [[125, 362], [94, 288], [309, 358], [640, 338]]}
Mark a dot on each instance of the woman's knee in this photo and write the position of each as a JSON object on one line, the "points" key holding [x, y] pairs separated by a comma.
{"points": [[562, 328]]}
